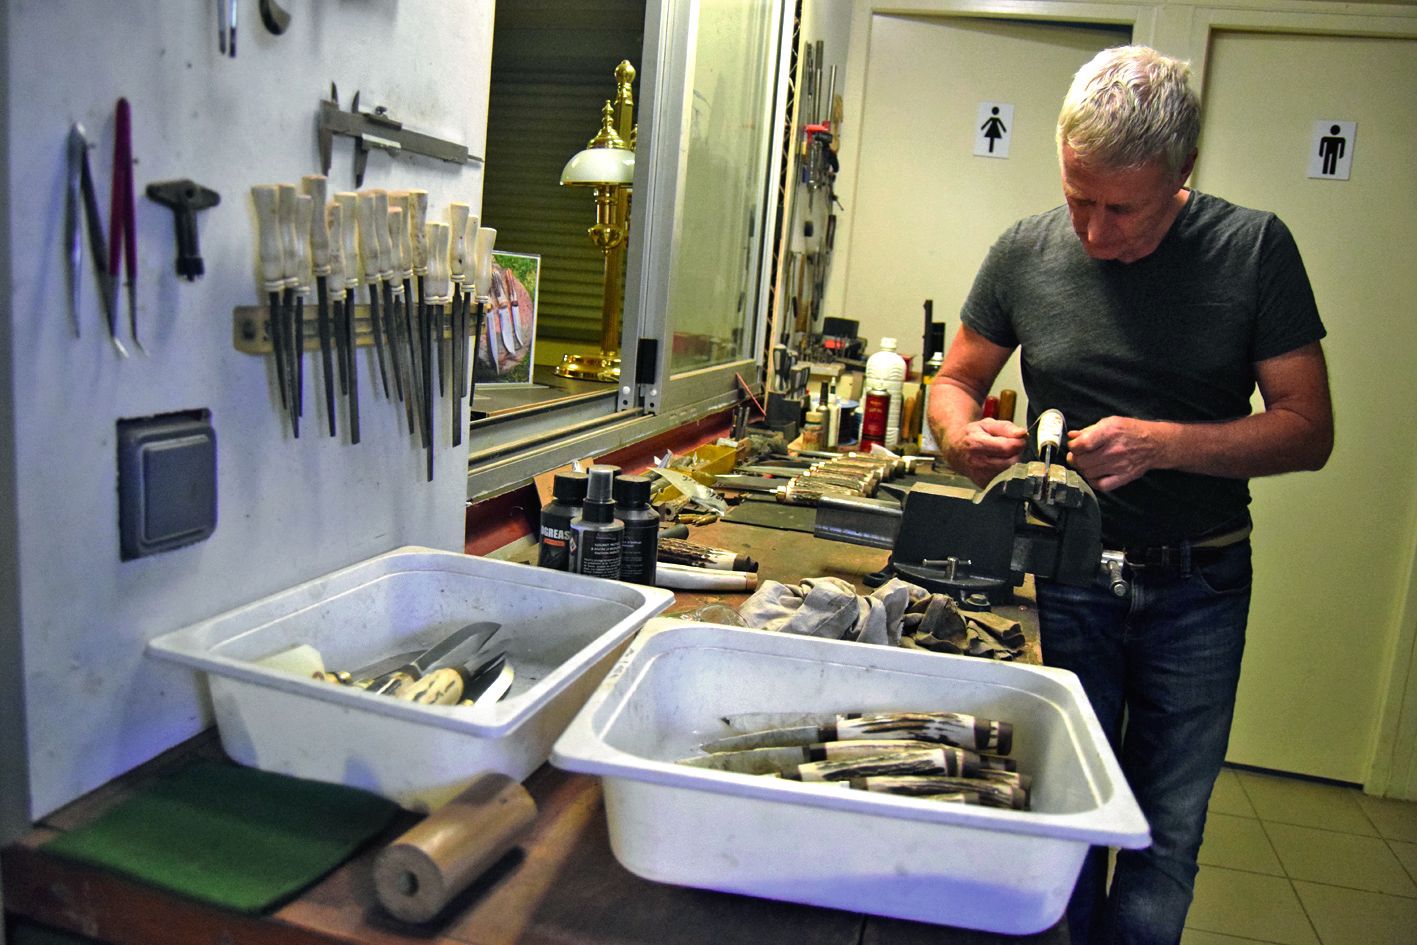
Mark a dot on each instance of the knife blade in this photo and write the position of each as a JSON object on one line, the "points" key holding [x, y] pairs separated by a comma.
{"points": [[509, 339], [454, 648], [496, 687], [509, 281], [369, 672]]}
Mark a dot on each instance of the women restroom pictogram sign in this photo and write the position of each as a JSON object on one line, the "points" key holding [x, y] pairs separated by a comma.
{"points": [[993, 128]]}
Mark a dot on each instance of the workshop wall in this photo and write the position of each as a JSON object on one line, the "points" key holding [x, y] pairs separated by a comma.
{"points": [[288, 509]]}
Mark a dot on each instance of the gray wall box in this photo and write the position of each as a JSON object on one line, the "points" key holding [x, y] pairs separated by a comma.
{"points": [[166, 483]]}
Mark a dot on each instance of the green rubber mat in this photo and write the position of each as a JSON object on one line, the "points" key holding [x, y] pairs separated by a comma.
{"points": [[232, 836]]}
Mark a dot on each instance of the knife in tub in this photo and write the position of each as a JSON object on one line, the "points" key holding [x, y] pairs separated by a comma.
{"points": [[366, 674], [454, 649], [450, 685]]}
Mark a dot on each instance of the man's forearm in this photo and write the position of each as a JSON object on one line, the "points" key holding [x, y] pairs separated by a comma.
{"points": [[952, 408], [1264, 444]]}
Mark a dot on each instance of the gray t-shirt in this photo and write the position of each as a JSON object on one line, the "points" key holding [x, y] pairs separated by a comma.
{"points": [[1172, 336]]}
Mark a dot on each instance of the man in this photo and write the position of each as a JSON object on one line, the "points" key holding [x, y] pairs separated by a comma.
{"points": [[1147, 313]]}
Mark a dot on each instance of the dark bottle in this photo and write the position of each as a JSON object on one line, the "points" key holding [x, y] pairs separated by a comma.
{"points": [[567, 494], [639, 545], [595, 534]]}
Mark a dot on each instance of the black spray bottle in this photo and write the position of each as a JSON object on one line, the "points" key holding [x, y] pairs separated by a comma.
{"points": [[595, 534], [639, 545], [567, 494]]}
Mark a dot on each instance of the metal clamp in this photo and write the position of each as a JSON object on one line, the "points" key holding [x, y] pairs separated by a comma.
{"points": [[1112, 563], [950, 565]]}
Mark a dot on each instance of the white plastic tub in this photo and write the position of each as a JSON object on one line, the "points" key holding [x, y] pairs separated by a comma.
{"points": [[976, 867], [561, 633]]}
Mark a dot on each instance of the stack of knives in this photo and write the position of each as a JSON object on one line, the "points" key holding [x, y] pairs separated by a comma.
{"points": [[805, 478], [421, 284], [460, 669]]}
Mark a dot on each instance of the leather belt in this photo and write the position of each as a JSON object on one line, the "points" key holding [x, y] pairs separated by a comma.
{"points": [[1181, 555]]}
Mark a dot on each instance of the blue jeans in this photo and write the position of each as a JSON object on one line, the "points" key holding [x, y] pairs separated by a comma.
{"points": [[1160, 667]]}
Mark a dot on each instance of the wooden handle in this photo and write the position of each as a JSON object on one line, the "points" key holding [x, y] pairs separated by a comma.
{"points": [[482, 258], [382, 235], [440, 687], [285, 210], [416, 213], [398, 239], [440, 290], [304, 214], [334, 231], [457, 251], [315, 185], [265, 197], [347, 202], [417, 875], [369, 236]]}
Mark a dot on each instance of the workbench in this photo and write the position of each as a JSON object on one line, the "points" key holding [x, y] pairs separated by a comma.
{"points": [[561, 886]]}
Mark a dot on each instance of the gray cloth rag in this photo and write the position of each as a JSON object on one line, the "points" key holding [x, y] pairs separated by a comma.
{"points": [[830, 607]]}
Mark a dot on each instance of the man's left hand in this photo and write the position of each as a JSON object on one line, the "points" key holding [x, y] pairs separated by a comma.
{"points": [[1115, 450]]}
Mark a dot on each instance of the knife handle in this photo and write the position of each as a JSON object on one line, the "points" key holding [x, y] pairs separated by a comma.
{"points": [[394, 683], [440, 687], [315, 185]]}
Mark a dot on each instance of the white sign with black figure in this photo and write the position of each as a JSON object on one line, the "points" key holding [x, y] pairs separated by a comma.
{"points": [[1331, 149], [993, 128]]}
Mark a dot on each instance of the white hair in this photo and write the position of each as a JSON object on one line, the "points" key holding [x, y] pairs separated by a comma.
{"points": [[1130, 106]]}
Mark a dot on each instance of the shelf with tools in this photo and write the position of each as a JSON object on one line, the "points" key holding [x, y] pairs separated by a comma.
{"points": [[250, 329]]}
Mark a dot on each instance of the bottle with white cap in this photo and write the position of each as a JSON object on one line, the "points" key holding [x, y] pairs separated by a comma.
{"points": [[885, 370]]}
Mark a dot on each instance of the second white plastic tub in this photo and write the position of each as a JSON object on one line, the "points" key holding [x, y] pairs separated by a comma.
{"points": [[976, 867]]}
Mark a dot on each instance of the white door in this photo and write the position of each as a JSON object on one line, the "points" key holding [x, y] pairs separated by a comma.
{"points": [[926, 208], [1333, 549]]}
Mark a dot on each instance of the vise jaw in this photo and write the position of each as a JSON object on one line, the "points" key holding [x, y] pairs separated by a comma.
{"points": [[1033, 518]]}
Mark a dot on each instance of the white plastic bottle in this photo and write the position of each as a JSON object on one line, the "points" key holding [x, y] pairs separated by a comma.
{"points": [[886, 370]]}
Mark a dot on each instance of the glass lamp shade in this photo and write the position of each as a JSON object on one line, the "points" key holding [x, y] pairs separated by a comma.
{"points": [[600, 166]]}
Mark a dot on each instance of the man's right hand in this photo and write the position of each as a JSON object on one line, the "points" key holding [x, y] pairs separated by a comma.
{"points": [[985, 448]]}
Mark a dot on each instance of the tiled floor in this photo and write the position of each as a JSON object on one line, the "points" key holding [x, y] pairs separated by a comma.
{"points": [[1291, 862]]}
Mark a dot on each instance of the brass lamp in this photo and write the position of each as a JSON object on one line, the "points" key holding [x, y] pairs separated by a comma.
{"points": [[607, 166]]}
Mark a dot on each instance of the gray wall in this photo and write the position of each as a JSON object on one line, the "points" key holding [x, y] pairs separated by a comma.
{"points": [[94, 705]]}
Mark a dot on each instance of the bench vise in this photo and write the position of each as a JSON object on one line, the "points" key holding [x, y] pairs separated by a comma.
{"points": [[1036, 518]]}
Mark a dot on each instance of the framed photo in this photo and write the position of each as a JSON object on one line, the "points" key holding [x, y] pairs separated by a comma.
{"points": [[504, 349]]}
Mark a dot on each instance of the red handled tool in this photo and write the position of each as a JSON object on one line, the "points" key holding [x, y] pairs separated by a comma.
{"points": [[122, 221]]}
